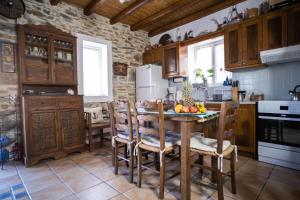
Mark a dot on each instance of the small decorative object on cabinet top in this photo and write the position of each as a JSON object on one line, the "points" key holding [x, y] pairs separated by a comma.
{"points": [[7, 57], [120, 69], [12, 9]]}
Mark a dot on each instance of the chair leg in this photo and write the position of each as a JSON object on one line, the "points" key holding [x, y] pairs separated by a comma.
{"points": [[156, 161], [162, 177], [116, 157], [90, 139], [113, 157], [232, 172], [131, 163], [220, 185], [126, 155], [139, 167]]}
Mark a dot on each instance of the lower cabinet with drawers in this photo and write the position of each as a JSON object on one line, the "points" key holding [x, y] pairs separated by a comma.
{"points": [[52, 127]]}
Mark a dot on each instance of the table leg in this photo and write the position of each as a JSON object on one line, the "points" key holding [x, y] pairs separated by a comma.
{"points": [[185, 178]]}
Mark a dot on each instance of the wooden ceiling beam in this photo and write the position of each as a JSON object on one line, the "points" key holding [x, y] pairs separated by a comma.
{"points": [[195, 16], [129, 10], [54, 2], [159, 15], [88, 10]]}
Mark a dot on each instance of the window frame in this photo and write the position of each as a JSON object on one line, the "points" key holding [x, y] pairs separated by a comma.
{"points": [[213, 45], [80, 39]]}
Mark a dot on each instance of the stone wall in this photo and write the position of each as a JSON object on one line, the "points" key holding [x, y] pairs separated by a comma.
{"points": [[127, 46]]}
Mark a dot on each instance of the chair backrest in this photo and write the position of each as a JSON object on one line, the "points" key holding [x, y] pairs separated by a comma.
{"points": [[121, 117], [150, 124], [226, 125]]}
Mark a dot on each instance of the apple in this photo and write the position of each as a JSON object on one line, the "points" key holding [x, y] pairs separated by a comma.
{"points": [[185, 109], [193, 109]]}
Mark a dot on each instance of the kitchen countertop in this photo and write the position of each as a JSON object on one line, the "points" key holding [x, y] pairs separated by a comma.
{"points": [[242, 102]]}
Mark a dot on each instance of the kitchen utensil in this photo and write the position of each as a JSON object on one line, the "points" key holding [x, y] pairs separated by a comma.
{"points": [[256, 97], [217, 97], [294, 94], [242, 95]]}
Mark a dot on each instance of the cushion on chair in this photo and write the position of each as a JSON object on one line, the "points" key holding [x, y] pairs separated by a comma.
{"points": [[201, 143], [125, 134], [153, 140], [96, 114]]}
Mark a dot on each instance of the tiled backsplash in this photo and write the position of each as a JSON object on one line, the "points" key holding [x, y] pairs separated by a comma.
{"points": [[274, 81]]}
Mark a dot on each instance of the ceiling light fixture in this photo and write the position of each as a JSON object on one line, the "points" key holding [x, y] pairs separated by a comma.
{"points": [[123, 1]]}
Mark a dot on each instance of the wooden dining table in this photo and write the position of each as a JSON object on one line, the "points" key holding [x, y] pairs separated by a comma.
{"points": [[186, 123]]}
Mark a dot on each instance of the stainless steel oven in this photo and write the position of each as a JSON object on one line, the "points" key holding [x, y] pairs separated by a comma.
{"points": [[278, 133]]}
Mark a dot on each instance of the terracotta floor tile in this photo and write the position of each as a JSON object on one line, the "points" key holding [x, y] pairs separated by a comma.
{"points": [[98, 192], [285, 175], [86, 160], [104, 174], [63, 166], [73, 173], [141, 193], [76, 156], [70, 197], [121, 184], [120, 197], [9, 181], [78, 184], [90, 167], [9, 169], [41, 183], [257, 168], [215, 197], [57, 191], [34, 174], [275, 190]]}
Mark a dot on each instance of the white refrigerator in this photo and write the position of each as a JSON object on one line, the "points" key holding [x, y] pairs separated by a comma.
{"points": [[149, 83]]}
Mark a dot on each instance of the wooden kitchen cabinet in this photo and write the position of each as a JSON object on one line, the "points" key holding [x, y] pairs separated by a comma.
{"points": [[175, 61], [275, 30], [293, 25], [251, 42], [245, 130], [233, 47], [154, 56], [53, 126]]}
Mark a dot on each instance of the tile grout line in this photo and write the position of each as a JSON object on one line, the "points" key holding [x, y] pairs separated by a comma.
{"points": [[263, 186], [61, 181], [22, 180]]}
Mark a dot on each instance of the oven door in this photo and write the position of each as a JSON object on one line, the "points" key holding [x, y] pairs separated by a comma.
{"points": [[279, 129]]}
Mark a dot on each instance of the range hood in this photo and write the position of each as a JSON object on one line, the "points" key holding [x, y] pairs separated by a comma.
{"points": [[281, 55]]}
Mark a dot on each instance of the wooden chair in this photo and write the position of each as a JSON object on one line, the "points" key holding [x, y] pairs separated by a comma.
{"points": [[122, 134], [221, 147], [153, 137], [90, 126]]}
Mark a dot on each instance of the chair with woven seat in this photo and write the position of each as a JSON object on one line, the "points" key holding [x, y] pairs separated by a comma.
{"points": [[122, 134], [223, 146], [151, 136]]}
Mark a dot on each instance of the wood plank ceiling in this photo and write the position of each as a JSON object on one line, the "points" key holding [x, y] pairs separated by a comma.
{"points": [[153, 16]]}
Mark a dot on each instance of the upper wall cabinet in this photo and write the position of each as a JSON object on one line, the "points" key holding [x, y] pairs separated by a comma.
{"points": [[47, 56], [274, 30], [293, 18], [154, 56], [175, 61], [252, 41], [233, 47]]}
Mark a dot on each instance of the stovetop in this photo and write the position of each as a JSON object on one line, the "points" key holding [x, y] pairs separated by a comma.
{"points": [[279, 107]]}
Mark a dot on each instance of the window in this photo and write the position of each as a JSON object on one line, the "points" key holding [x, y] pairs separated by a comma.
{"points": [[94, 69], [208, 56]]}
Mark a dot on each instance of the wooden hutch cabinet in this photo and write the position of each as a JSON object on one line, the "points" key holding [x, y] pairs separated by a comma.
{"points": [[52, 119]]}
